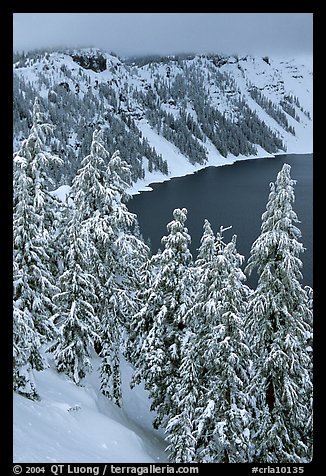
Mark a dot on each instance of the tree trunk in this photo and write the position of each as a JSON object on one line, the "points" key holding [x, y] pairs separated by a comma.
{"points": [[270, 396]]}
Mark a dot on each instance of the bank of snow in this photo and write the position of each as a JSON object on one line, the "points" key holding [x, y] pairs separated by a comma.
{"points": [[77, 424]]}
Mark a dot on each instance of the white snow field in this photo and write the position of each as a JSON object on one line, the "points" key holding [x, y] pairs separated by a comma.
{"points": [[77, 424]]}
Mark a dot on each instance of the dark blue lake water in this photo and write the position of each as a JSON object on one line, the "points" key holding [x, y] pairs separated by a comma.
{"points": [[230, 195]]}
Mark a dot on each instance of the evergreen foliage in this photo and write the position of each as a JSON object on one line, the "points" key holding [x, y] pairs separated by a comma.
{"points": [[124, 253], [223, 410], [77, 319], [180, 429], [165, 306], [34, 281], [275, 112], [114, 252], [279, 322]]}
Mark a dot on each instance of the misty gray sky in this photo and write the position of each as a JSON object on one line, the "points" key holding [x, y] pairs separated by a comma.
{"points": [[129, 34]]}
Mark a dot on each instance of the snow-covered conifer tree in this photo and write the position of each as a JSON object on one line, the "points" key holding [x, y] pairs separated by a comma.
{"points": [[34, 280], [99, 191], [128, 249], [76, 317], [223, 358], [228, 389], [142, 321], [181, 431], [26, 345], [164, 310], [279, 323]]}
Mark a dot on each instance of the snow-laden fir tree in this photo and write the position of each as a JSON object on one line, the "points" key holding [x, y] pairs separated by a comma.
{"points": [[76, 317], [222, 411], [123, 255], [99, 191], [26, 345], [165, 306], [128, 249], [34, 274], [180, 429], [142, 321], [279, 323], [309, 319], [81, 292], [232, 410]]}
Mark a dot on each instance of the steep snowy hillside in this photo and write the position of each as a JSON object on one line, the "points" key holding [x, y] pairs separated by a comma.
{"points": [[78, 424], [167, 116]]}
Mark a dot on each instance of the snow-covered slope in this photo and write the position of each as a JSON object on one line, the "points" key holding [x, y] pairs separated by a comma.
{"points": [[239, 107], [78, 424]]}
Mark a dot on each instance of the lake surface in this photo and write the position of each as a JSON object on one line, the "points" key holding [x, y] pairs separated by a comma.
{"points": [[234, 195]]}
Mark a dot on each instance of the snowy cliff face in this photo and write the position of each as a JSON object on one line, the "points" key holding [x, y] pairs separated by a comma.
{"points": [[167, 116]]}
